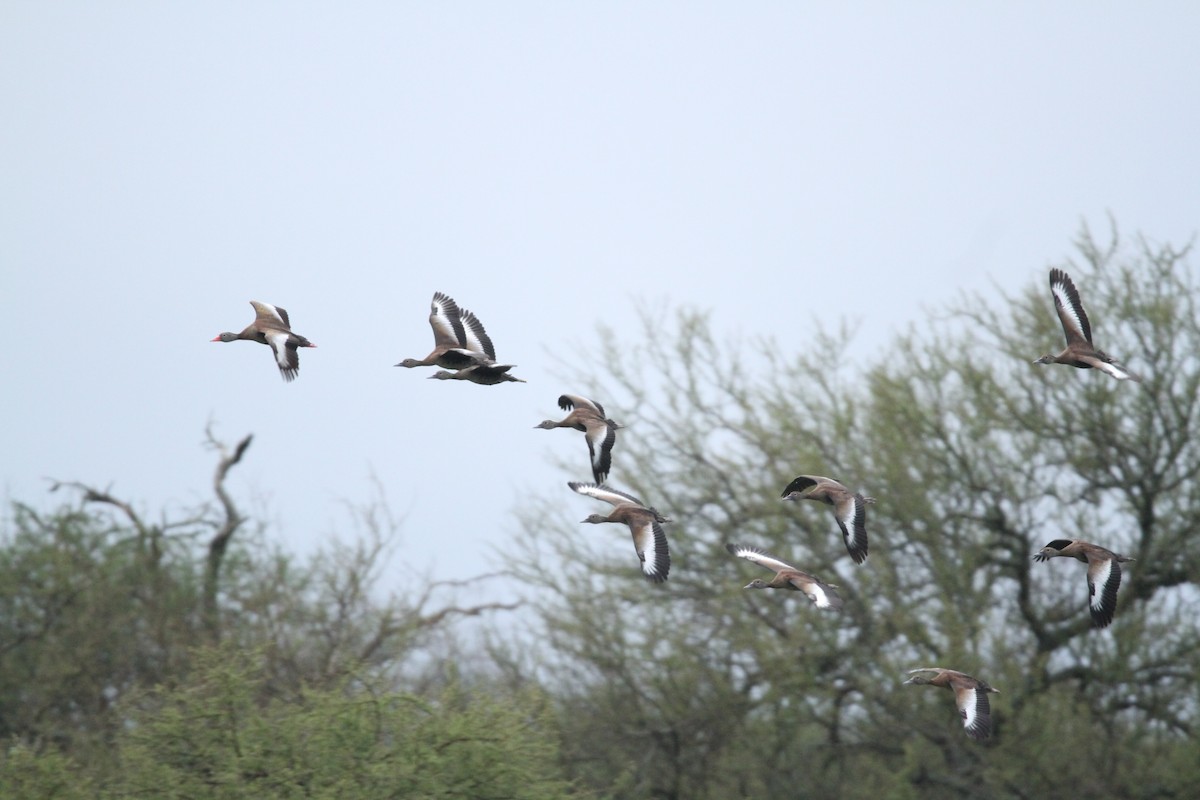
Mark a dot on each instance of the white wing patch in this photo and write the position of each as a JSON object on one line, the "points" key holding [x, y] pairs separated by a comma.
{"points": [[600, 439], [566, 401], [1113, 369], [443, 315], [474, 337], [1070, 313], [270, 312], [1104, 581], [816, 593], [967, 701], [651, 545], [760, 557], [286, 357], [1097, 579], [278, 341], [852, 520], [604, 493]]}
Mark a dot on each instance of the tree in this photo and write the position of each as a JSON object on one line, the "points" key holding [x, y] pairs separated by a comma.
{"points": [[219, 735], [97, 605], [697, 689]]}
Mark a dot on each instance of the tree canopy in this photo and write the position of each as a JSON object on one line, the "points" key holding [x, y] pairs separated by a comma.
{"points": [[977, 458], [192, 658]]}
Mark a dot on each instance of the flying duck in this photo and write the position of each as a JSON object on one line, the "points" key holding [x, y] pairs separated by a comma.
{"points": [[1103, 574], [970, 695], [271, 327], [601, 433], [459, 340], [484, 374], [1079, 351], [787, 577], [643, 521], [849, 508]]}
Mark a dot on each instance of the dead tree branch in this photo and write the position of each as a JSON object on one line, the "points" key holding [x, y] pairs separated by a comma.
{"points": [[220, 541]]}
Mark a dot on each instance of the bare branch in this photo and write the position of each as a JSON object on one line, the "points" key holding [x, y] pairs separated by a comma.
{"points": [[220, 540], [91, 495], [470, 611]]}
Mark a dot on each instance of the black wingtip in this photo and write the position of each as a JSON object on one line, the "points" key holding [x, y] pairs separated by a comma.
{"points": [[797, 484]]}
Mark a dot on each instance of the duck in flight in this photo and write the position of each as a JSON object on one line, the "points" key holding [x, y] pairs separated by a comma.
{"points": [[849, 508], [599, 431], [483, 374], [970, 695], [644, 523], [1103, 574], [1079, 352], [272, 328], [459, 339], [787, 577]]}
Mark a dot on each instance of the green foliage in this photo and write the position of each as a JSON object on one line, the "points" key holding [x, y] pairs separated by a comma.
{"points": [[191, 659], [27, 774], [106, 672], [216, 735], [85, 613], [210, 738], [697, 689]]}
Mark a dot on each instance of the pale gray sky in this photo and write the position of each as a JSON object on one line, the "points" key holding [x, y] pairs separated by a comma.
{"points": [[778, 163]]}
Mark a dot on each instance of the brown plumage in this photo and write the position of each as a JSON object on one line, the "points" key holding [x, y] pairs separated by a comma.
{"points": [[1103, 574], [849, 509], [459, 340], [1079, 352], [484, 374], [599, 431], [970, 696], [272, 327], [787, 577], [643, 522]]}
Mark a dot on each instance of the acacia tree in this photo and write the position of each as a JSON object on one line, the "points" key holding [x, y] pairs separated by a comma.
{"points": [[98, 602], [698, 689]]}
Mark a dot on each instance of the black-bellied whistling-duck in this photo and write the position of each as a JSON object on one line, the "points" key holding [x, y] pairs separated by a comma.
{"points": [[485, 374], [643, 521], [787, 577], [459, 340], [601, 433], [1103, 574], [1079, 351], [970, 695], [849, 508], [272, 327]]}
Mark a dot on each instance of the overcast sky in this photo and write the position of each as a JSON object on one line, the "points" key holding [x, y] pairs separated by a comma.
{"points": [[550, 166]]}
